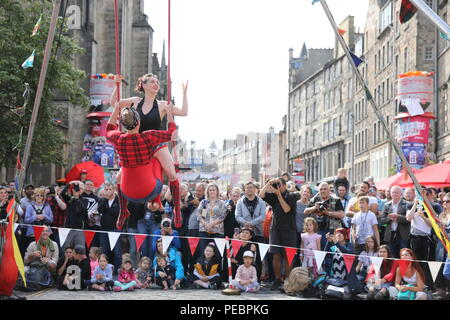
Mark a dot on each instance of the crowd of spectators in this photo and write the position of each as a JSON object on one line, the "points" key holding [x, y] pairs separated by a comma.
{"points": [[367, 222]]}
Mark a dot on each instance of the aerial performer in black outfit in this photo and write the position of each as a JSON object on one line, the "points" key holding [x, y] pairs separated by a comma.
{"points": [[151, 112]]}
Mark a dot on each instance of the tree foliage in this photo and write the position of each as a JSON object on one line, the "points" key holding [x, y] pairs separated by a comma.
{"points": [[17, 20]]}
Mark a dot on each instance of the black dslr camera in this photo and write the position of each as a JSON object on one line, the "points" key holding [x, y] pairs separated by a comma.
{"points": [[323, 205], [76, 188]]}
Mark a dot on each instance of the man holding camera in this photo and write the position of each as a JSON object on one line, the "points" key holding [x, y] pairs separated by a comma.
{"points": [[283, 229], [166, 230], [327, 210], [77, 217]]}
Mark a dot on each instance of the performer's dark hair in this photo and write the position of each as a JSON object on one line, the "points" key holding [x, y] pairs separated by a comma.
{"points": [[139, 87]]}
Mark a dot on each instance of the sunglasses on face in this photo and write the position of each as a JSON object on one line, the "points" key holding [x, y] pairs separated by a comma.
{"points": [[150, 80], [446, 201], [39, 195]]}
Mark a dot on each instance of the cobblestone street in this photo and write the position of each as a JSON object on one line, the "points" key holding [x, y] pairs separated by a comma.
{"points": [[153, 294]]}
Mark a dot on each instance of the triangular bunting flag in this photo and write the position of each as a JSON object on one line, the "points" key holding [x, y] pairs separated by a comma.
{"points": [[139, 240], [290, 254], [376, 262], [407, 11], [341, 31], [37, 232], [89, 235], [435, 266], [356, 60], [319, 255], [19, 110], [166, 241], [263, 248], [37, 26], [348, 261], [220, 244], [18, 162], [113, 237], [29, 62], [63, 233], [193, 242], [404, 264], [444, 36], [314, 1], [236, 245], [16, 225]]}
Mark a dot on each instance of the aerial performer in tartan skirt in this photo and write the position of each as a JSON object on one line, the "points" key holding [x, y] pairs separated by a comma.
{"points": [[151, 112]]}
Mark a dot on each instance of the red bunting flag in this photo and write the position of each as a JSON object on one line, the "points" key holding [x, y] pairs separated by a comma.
{"points": [[404, 264], [193, 242], [139, 240], [236, 245], [18, 162], [290, 254], [89, 235], [37, 232], [349, 261]]}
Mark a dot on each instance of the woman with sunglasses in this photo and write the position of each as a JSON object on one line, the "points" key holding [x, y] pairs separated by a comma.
{"points": [[151, 112], [38, 213]]}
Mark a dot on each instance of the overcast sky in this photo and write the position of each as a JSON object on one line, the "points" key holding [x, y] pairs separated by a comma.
{"points": [[235, 54]]}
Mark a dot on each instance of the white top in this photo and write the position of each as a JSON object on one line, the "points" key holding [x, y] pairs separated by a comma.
{"points": [[364, 223], [372, 200], [394, 225], [412, 280], [419, 226]]}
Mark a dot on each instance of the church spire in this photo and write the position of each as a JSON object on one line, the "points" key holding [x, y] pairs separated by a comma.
{"points": [[304, 52]]}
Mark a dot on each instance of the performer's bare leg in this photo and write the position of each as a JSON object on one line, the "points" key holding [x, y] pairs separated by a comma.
{"points": [[168, 166]]}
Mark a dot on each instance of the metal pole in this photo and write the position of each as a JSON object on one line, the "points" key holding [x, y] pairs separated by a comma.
{"points": [[40, 87], [375, 107], [433, 16]]}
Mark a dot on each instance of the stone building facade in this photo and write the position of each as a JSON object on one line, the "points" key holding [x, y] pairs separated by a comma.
{"points": [[443, 82], [320, 108], [389, 49]]}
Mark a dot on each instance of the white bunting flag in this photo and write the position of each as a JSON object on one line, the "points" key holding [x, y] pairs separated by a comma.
{"points": [[319, 255], [435, 266], [263, 248], [113, 237], [63, 233], [376, 262], [414, 107], [166, 241], [16, 225], [220, 245]]}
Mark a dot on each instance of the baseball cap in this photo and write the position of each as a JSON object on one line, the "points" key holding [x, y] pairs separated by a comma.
{"points": [[29, 186], [248, 254]]}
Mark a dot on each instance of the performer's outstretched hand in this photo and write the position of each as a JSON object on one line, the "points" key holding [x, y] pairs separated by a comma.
{"points": [[185, 86]]}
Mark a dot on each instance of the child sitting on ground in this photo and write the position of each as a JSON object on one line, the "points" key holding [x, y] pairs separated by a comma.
{"points": [[143, 273], [164, 274], [102, 278], [94, 255], [206, 270], [246, 278], [126, 279]]}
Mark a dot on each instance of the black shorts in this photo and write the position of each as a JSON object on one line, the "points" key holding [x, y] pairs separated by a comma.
{"points": [[285, 238]]}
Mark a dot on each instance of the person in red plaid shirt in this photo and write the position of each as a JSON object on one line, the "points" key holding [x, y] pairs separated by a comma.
{"points": [[141, 173]]}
